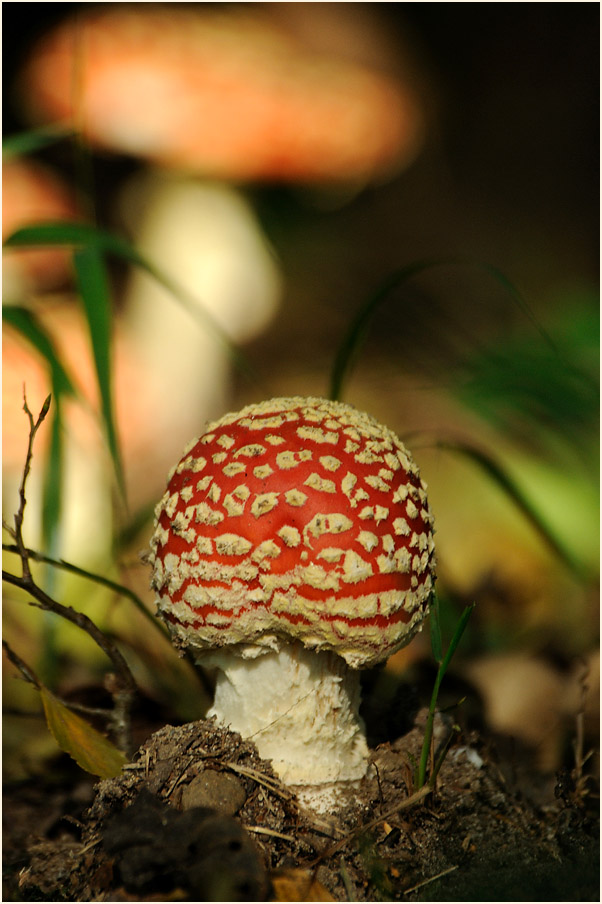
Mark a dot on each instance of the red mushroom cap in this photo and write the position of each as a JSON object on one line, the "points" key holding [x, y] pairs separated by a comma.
{"points": [[225, 94], [295, 519]]}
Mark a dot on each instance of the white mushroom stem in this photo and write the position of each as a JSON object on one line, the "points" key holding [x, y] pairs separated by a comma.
{"points": [[205, 238], [301, 708]]}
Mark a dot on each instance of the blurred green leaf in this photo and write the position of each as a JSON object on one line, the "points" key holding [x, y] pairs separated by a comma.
{"points": [[53, 481], [26, 323], [33, 140], [94, 290], [87, 235], [435, 625], [90, 750], [499, 475], [358, 329], [62, 232], [524, 390]]}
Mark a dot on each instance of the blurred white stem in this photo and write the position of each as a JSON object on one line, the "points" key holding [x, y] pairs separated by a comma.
{"points": [[206, 239]]}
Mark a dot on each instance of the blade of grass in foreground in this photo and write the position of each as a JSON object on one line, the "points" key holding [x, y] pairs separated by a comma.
{"points": [[435, 624], [443, 666], [33, 140], [87, 235], [501, 477], [53, 482], [357, 332], [27, 324], [94, 290]]}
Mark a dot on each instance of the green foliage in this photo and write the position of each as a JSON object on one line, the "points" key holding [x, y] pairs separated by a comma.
{"points": [[94, 292], [517, 384], [501, 476], [27, 324], [33, 140], [85, 235], [358, 329], [443, 662]]}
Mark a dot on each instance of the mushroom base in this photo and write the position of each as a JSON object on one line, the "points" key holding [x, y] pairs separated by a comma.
{"points": [[301, 709]]}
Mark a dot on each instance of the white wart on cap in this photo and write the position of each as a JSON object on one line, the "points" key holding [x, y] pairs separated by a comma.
{"points": [[290, 531]]}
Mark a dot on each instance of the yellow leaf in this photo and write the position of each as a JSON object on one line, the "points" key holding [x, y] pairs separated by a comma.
{"points": [[90, 750], [299, 885]]}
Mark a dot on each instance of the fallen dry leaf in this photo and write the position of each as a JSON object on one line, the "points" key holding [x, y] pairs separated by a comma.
{"points": [[299, 885]]}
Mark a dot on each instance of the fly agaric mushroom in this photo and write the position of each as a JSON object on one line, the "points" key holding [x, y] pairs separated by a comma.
{"points": [[227, 95], [294, 546]]}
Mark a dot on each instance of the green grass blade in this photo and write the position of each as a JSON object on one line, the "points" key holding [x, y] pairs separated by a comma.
{"points": [[500, 476], [435, 626], [443, 666], [53, 481], [33, 140], [94, 290], [79, 235], [27, 324], [86, 235], [52, 500], [358, 329], [453, 644]]}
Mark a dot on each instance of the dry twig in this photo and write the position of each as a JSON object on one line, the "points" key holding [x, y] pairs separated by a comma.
{"points": [[124, 686]]}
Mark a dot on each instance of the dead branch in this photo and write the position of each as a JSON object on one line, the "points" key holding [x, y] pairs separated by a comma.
{"points": [[123, 687]]}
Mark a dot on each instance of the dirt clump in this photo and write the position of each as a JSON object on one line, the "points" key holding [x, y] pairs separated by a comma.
{"points": [[198, 815]]}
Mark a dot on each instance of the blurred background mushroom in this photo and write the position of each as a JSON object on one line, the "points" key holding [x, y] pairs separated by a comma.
{"points": [[499, 169], [233, 96]]}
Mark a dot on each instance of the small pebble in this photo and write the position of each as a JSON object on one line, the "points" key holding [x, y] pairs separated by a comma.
{"points": [[217, 790]]}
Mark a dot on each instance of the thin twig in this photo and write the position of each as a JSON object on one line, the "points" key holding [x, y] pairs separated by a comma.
{"points": [[125, 687], [270, 783], [405, 804], [259, 830], [120, 589], [30, 676], [418, 885], [42, 601], [28, 673], [117, 588], [33, 429]]}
